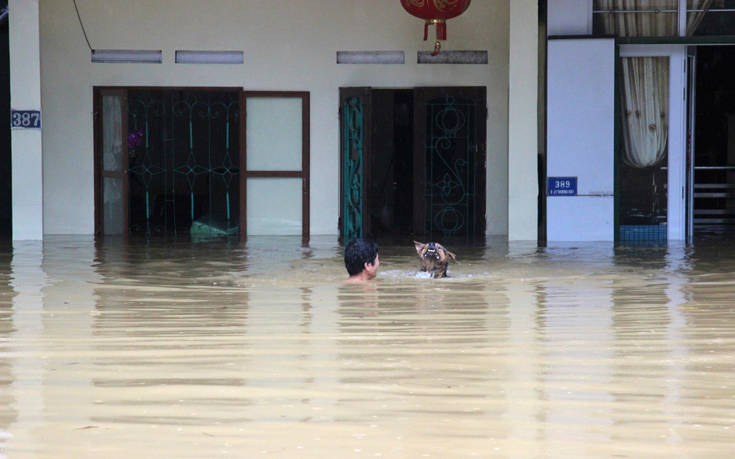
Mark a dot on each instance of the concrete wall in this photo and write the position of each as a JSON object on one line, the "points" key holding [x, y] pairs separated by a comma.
{"points": [[288, 45], [523, 121]]}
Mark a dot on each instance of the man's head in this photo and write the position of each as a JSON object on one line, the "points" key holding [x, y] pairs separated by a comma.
{"points": [[361, 255]]}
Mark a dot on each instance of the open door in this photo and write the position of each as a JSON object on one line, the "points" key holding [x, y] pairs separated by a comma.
{"points": [[653, 164], [449, 163], [355, 123]]}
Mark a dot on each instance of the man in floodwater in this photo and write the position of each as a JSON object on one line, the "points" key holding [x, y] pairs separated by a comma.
{"points": [[361, 260]]}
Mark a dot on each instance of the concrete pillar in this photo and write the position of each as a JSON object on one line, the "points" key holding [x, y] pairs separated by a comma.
{"points": [[523, 121], [25, 94]]}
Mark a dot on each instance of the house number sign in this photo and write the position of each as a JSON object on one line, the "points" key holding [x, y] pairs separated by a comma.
{"points": [[25, 119], [562, 186]]}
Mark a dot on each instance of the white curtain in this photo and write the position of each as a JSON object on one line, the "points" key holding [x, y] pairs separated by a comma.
{"points": [[639, 24], [646, 108], [645, 79], [650, 24]]}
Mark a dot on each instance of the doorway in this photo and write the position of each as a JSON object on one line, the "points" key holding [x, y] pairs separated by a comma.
{"points": [[652, 159], [712, 149], [413, 164]]}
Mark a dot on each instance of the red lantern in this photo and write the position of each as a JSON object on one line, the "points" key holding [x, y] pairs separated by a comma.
{"points": [[435, 12]]}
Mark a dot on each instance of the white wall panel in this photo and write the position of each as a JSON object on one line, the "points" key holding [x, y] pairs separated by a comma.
{"points": [[569, 17], [580, 218], [580, 137]]}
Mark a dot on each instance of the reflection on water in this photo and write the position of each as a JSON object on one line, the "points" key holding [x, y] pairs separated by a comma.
{"points": [[181, 350]]}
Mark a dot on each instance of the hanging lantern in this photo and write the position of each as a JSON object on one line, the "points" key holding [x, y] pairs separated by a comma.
{"points": [[435, 12]]}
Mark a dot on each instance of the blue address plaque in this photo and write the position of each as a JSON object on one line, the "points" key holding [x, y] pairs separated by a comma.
{"points": [[25, 119], [561, 186]]}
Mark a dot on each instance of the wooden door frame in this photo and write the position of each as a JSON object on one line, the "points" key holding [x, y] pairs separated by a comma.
{"points": [[98, 93], [303, 174]]}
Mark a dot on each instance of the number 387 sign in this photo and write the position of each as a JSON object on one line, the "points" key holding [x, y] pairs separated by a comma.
{"points": [[25, 119]]}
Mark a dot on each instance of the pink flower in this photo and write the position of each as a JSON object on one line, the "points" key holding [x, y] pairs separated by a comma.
{"points": [[135, 139]]}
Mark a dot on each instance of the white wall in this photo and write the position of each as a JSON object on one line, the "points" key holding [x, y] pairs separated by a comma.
{"points": [[288, 45], [569, 17]]}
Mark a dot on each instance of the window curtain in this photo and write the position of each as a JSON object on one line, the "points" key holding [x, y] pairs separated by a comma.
{"points": [[644, 24], [646, 102], [645, 79], [649, 24]]}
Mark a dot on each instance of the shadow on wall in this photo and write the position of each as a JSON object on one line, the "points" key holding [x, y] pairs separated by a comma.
{"points": [[5, 183]]}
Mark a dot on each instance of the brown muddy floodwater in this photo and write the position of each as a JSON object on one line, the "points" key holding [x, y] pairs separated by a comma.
{"points": [[215, 349]]}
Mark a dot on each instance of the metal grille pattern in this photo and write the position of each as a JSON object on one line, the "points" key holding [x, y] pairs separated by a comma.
{"points": [[354, 138], [183, 160], [450, 161]]}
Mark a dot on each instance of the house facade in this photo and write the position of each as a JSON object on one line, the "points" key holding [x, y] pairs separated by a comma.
{"points": [[287, 73], [274, 118]]}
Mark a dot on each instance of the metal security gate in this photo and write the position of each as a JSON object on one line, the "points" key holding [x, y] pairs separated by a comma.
{"points": [[183, 152], [450, 158], [440, 145], [450, 163], [167, 161]]}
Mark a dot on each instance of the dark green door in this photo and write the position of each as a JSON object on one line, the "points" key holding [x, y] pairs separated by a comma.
{"points": [[355, 115]]}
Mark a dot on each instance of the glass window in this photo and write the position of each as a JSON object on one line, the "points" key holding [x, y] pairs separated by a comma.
{"points": [[112, 133], [274, 206], [112, 205], [112, 165], [277, 163], [273, 134]]}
